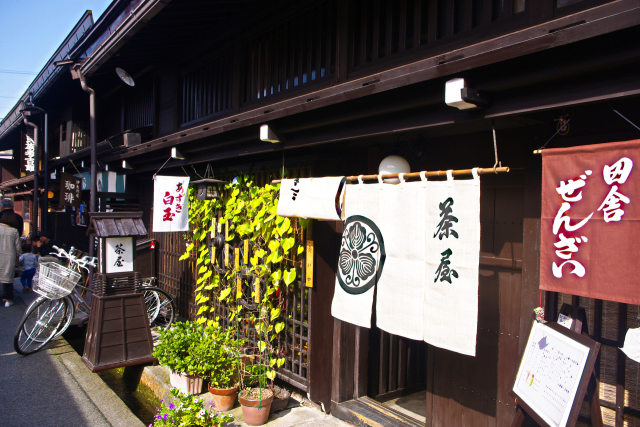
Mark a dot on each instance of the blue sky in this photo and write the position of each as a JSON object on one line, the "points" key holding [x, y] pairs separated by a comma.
{"points": [[30, 32]]}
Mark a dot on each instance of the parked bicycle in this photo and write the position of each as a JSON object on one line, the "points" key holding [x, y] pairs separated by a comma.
{"points": [[62, 297]]}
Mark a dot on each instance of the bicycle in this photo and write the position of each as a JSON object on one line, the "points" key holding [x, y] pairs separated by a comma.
{"points": [[49, 315], [161, 308]]}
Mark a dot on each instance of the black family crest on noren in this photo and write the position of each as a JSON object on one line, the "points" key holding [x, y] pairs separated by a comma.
{"points": [[362, 255]]}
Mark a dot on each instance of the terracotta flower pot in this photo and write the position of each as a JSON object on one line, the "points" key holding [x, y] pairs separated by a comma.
{"points": [[224, 398], [188, 384], [256, 405]]}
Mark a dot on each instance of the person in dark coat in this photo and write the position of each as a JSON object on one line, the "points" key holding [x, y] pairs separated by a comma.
{"points": [[9, 217], [44, 244]]}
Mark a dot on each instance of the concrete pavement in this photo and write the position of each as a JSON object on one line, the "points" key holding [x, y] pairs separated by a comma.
{"points": [[52, 387], [300, 412]]}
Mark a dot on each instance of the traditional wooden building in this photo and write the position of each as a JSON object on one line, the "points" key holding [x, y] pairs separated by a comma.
{"points": [[343, 84]]}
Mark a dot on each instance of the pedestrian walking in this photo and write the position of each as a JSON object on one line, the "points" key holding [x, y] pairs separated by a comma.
{"points": [[9, 253], [9, 217], [29, 261]]}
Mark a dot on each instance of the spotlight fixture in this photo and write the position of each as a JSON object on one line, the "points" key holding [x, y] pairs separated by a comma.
{"points": [[175, 154], [268, 135], [458, 95]]}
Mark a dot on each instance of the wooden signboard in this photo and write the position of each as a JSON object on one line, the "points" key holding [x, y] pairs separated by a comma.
{"points": [[70, 190], [554, 374]]}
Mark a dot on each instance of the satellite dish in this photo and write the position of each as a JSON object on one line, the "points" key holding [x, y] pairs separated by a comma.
{"points": [[125, 77]]}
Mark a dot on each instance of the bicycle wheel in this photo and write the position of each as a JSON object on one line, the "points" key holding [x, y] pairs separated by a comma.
{"points": [[41, 322], [160, 308]]}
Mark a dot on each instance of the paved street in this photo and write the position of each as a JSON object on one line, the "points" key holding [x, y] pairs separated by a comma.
{"points": [[51, 388]]}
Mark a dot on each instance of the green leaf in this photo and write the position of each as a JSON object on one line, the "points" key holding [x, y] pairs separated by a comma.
{"points": [[202, 309], [262, 346], [207, 275], [202, 269], [273, 246], [225, 293], [289, 276], [299, 250], [279, 327], [275, 312], [288, 243], [271, 375], [276, 276], [280, 361], [209, 287]]}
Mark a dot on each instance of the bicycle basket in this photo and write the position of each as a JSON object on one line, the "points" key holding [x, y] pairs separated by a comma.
{"points": [[55, 281]]}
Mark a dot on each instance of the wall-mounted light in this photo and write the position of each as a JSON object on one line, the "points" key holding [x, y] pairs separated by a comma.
{"points": [[458, 95], [126, 165], [268, 135], [393, 165], [6, 154], [175, 154]]}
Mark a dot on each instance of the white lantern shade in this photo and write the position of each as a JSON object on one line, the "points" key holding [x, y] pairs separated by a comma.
{"points": [[393, 165]]}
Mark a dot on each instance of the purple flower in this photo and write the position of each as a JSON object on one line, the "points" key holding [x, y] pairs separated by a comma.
{"points": [[172, 406], [166, 416]]}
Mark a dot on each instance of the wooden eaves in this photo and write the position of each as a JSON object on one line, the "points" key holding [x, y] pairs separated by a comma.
{"points": [[569, 29]]}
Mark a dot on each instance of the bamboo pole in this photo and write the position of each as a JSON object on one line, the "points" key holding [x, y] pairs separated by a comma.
{"points": [[428, 174]]}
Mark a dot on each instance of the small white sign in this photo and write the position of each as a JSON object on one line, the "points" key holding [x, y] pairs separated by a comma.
{"points": [[119, 254]]}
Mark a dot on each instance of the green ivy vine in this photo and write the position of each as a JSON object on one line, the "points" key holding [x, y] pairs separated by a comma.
{"points": [[271, 246]]}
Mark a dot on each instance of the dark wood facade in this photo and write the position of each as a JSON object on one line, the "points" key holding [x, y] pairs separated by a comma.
{"points": [[345, 83]]}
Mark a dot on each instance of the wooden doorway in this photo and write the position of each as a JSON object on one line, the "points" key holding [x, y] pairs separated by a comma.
{"points": [[398, 373]]}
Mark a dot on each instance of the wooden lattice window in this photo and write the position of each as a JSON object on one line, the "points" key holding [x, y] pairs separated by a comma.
{"points": [[206, 90], [619, 387], [292, 55]]}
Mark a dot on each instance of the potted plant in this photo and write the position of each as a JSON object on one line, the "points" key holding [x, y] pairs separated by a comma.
{"points": [[175, 350], [255, 397], [218, 355], [184, 409]]}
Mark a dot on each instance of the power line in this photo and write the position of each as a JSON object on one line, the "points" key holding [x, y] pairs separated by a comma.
{"points": [[26, 73]]}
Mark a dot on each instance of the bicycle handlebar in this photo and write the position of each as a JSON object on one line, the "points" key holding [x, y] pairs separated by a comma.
{"points": [[84, 262]]}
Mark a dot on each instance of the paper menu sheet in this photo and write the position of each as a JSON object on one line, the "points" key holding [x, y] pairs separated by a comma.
{"points": [[550, 373]]}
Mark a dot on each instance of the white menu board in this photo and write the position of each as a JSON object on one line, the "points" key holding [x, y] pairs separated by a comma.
{"points": [[550, 373]]}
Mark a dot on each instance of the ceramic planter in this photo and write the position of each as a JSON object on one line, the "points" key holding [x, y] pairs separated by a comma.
{"points": [[224, 398], [280, 399], [188, 384], [255, 409]]}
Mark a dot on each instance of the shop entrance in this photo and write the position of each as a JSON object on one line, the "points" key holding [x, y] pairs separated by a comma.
{"points": [[398, 373]]}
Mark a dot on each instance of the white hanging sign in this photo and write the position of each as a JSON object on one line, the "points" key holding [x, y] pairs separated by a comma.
{"points": [[170, 203]]}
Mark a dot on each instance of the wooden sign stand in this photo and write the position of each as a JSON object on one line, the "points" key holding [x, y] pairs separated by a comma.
{"points": [[530, 402]]}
